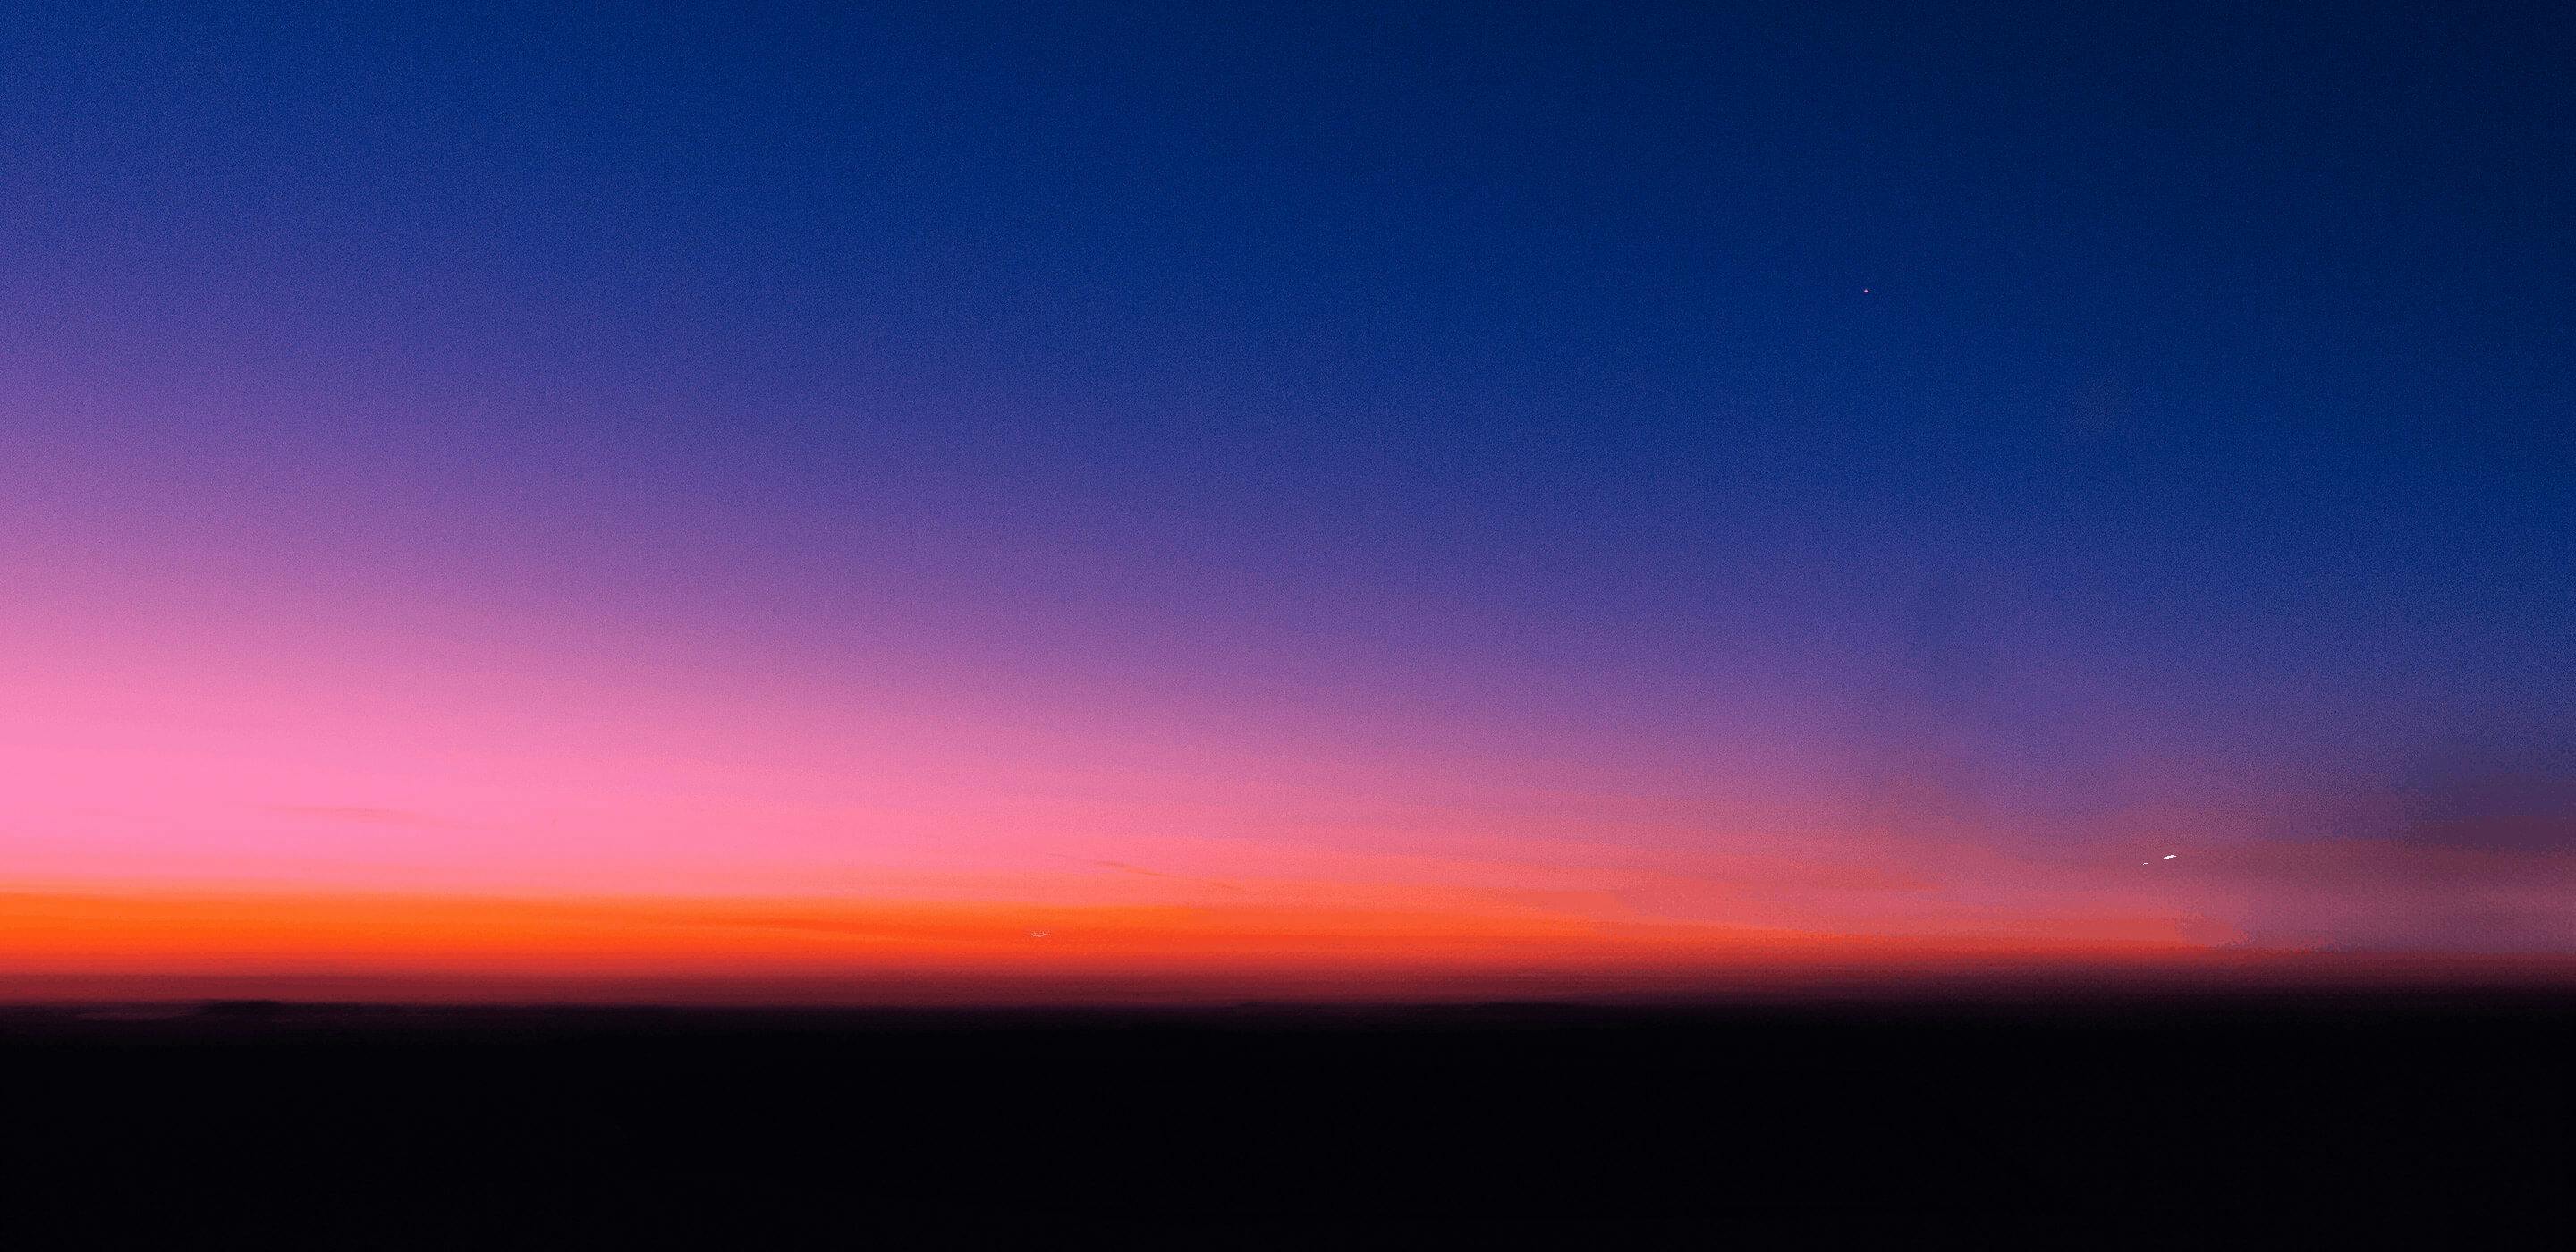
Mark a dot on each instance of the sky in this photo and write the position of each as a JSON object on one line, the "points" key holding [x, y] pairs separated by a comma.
{"points": [[1070, 501]]}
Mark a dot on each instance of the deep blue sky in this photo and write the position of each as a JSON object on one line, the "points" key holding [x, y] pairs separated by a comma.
{"points": [[2164, 387]]}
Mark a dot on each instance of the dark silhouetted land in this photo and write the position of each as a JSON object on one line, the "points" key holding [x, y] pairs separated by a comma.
{"points": [[259, 1123]]}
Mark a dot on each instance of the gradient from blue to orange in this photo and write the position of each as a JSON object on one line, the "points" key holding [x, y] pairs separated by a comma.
{"points": [[1280, 499]]}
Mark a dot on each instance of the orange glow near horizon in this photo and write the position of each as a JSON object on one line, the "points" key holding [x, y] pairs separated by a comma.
{"points": [[69, 944]]}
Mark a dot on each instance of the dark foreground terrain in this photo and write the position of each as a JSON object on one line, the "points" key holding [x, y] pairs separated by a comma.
{"points": [[2213, 1123]]}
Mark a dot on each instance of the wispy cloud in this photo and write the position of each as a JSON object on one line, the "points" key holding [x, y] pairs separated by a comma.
{"points": [[353, 813], [1124, 867]]}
